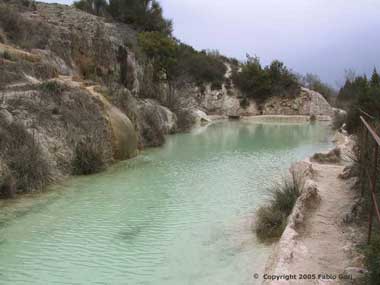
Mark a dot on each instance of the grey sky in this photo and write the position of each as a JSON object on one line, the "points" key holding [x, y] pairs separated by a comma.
{"points": [[318, 36]]}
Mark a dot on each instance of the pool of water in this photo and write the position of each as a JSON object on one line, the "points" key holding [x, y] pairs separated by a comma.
{"points": [[179, 214]]}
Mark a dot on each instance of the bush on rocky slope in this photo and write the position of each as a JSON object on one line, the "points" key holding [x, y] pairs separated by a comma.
{"points": [[21, 153], [88, 158], [360, 94], [260, 83], [143, 15]]}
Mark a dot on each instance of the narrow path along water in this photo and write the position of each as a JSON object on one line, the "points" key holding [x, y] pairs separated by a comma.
{"points": [[180, 214]]}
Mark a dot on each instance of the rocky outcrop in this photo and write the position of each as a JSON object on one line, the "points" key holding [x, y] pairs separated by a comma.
{"points": [[124, 137], [154, 121], [225, 102], [308, 103], [56, 117], [200, 117], [74, 43]]}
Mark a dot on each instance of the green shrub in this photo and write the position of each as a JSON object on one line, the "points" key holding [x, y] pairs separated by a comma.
{"points": [[96, 7], [175, 62], [271, 219], [144, 15], [52, 87], [7, 55], [89, 158], [260, 83]]}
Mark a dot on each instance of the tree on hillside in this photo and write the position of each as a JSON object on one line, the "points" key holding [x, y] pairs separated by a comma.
{"points": [[283, 81], [252, 80], [351, 90], [260, 83], [144, 14], [96, 7], [162, 52], [358, 94], [375, 79]]}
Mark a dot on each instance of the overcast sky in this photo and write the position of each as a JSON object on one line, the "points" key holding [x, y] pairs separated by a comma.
{"points": [[325, 37]]}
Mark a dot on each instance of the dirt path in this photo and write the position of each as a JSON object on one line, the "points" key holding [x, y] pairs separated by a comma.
{"points": [[325, 237], [318, 245]]}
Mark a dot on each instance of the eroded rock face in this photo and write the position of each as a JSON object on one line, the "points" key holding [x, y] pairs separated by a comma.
{"points": [[223, 102], [124, 137], [200, 117], [309, 103], [73, 42], [58, 120], [154, 121]]}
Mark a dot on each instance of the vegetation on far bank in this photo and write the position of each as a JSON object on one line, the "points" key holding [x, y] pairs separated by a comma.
{"points": [[259, 83], [360, 94], [144, 15]]}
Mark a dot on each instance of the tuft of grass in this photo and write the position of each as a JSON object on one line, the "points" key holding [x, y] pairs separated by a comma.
{"points": [[271, 219]]}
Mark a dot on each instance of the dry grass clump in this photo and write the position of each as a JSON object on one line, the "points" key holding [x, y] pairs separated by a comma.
{"points": [[25, 33], [21, 153], [271, 219], [89, 158]]}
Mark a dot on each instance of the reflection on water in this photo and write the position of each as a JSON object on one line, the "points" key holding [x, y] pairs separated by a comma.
{"points": [[180, 214]]}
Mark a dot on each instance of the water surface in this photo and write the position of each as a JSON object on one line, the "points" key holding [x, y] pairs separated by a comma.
{"points": [[180, 214]]}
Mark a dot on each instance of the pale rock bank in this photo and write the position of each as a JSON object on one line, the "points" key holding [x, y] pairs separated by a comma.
{"points": [[317, 240]]}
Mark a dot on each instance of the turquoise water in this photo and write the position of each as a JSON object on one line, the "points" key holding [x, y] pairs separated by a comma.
{"points": [[180, 214]]}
